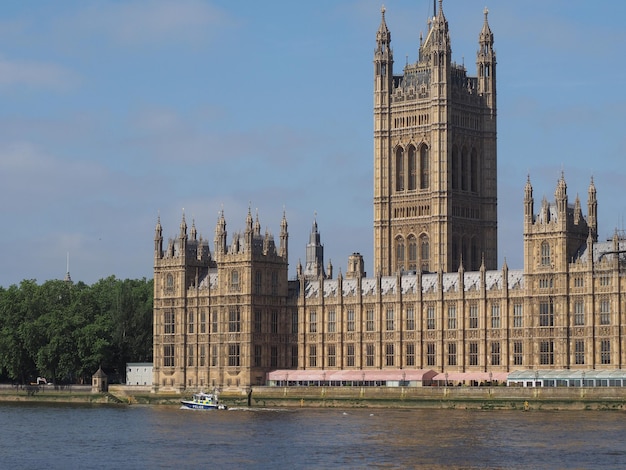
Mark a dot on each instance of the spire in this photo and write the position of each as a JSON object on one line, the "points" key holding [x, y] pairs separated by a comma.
{"points": [[314, 266], [68, 278], [158, 239], [592, 211], [183, 227], [529, 202], [194, 232], [220, 234], [284, 236]]}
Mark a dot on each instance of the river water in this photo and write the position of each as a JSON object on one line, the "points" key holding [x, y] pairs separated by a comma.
{"points": [[137, 437]]}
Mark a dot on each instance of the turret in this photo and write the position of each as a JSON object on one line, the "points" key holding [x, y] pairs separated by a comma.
{"points": [[182, 237], [158, 239], [284, 237], [529, 202], [314, 267], [560, 196], [383, 58], [486, 65], [220, 235], [592, 211]]}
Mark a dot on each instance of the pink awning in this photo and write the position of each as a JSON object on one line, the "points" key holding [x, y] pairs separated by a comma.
{"points": [[469, 376]]}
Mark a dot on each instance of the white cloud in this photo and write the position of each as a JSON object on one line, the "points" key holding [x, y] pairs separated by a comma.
{"points": [[35, 74], [143, 22]]}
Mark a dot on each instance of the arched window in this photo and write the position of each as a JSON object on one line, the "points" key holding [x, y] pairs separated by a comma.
{"points": [[464, 169], [545, 254], [400, 254], [454, 176], [399, 169], [412, 169], [412, 244], [474, 171], [424, 167], [169, 283], [424, 253]]}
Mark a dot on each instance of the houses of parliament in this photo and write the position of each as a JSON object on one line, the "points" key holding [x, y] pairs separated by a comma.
{"points": [[227, 315]]}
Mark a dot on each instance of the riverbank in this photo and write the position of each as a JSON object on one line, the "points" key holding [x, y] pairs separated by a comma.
{"points": [[479, 398]]}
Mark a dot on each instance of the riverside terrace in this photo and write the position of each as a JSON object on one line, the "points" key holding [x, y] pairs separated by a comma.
{"points": [[426, 377]]}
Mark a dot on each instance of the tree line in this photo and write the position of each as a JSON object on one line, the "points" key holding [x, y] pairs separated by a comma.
{"points": [[64, 331]]}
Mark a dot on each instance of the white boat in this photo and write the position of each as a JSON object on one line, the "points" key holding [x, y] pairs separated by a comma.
{"points": [[203, 401]]}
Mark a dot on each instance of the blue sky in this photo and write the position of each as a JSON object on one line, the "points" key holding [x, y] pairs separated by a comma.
{"points": [[113, 112]]}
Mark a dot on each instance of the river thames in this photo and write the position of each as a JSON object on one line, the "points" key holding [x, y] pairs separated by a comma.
{"points": [[55, 437]]}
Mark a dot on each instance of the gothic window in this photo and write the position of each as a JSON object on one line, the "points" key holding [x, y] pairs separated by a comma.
{"points": [[425, 253], [332, 355], [473, 316], [546, 353], [495, 353], [168, 355], [545, 254], [294, 322], [579, 351], [424, 167], [312, 355], [258, 355], [546, 313], [389, 353], [190, 322], [579, 313], [399, 169], [190, 349], [294, 356], [400, 254], [605, 351], [350, 355], [475, 263], [410, 319], [412, 169], [350, 321], [412, 246], [234, 321], [452, 317], [312, 321], [390, 319], [518, 355], [410, 354], [452, 354], [473, 353], [605, 312], [369, 355], [258, 321], [431, 354], [518, 316], [474, 172], [168, 322], [258, 278], [234, 281], [455, 168], [495, 315], [369, 321], [233, 355], [202, 359], [169, 283], [464, 169], [430, 318], [332, 321], [274, 321]]}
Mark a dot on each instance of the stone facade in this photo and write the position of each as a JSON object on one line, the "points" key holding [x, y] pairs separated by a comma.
{"points": [[437, 299]]}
